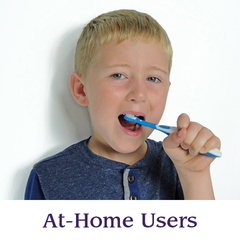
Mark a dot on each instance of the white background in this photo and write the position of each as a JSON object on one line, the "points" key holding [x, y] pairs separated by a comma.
{"points": [[39, 117]]}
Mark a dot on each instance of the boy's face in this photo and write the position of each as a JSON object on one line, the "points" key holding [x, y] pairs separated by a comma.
{"points": [[125, 78]]}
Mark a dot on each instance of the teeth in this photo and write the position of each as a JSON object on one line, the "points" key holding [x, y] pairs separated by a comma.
{"points": [[137, 126]]}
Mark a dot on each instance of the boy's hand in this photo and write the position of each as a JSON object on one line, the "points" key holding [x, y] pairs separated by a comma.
{"points": [[183, 146]]}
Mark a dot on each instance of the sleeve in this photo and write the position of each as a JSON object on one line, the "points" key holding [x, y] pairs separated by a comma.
{"points": [[33, 189]]}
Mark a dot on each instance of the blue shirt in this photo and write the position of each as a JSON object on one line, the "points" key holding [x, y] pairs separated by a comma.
{"points": [[78, 173]]}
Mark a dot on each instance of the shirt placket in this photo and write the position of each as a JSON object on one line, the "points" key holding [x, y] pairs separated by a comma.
{"points": [[130, 184]]}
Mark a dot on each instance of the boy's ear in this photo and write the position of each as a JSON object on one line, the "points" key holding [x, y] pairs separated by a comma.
{"points": [[77, 88]]}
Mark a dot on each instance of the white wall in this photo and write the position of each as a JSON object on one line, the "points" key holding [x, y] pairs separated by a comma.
{"points": [[39, 116]]}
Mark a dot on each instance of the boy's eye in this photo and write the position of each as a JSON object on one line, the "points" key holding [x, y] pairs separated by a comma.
{"points": [[154, 79], [117, 75]]}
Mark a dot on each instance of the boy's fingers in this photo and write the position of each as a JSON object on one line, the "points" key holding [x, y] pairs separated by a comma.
{"points": [[200, 138], [174, 139], [213, 142], [193, 138]]}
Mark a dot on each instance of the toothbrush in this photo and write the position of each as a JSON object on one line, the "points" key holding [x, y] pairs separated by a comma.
{"points": [[167, 130]]}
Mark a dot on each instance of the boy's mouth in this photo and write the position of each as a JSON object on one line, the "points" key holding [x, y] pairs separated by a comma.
{"points": [[129, 125]]}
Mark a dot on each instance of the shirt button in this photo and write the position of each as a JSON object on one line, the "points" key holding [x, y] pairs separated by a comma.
{"points": [[133, 197], [131, 178]]}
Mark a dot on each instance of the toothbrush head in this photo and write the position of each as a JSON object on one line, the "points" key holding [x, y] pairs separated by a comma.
{"points": [[129, 117]]}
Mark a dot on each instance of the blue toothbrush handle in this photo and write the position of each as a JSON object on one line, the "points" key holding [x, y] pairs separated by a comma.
{"points": [[213, 153], [168, 130]]}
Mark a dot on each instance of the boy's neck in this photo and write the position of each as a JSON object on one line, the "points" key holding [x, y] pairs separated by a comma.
{"points": [[109, 153]]}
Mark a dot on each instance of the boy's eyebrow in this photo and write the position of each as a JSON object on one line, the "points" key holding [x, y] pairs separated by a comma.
{"points": [[126, 65], [158, 69], [118, 65]]}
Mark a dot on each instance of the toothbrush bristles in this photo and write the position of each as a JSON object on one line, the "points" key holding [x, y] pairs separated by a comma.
{"points": [[130, 116]]}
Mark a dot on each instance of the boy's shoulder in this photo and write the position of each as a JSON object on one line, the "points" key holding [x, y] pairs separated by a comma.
{"points": [[154, 143], [63, 158], [155, 147]]}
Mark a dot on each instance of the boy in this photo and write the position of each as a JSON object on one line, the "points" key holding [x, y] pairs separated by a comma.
{"points": [[122, 65]]}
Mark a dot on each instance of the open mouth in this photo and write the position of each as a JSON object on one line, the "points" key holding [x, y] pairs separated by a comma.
{"points": [[129, 125]]}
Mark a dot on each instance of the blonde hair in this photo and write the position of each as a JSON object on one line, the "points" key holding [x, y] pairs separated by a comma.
{"points": [[120, 25]]}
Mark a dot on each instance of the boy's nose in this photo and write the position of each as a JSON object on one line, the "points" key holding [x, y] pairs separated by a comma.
{"points": [[137, 91]]}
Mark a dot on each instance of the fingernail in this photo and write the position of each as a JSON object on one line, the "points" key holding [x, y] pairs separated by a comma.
{"points": [[191, 152], [179, 133], [203, 149], [184, 146]]}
